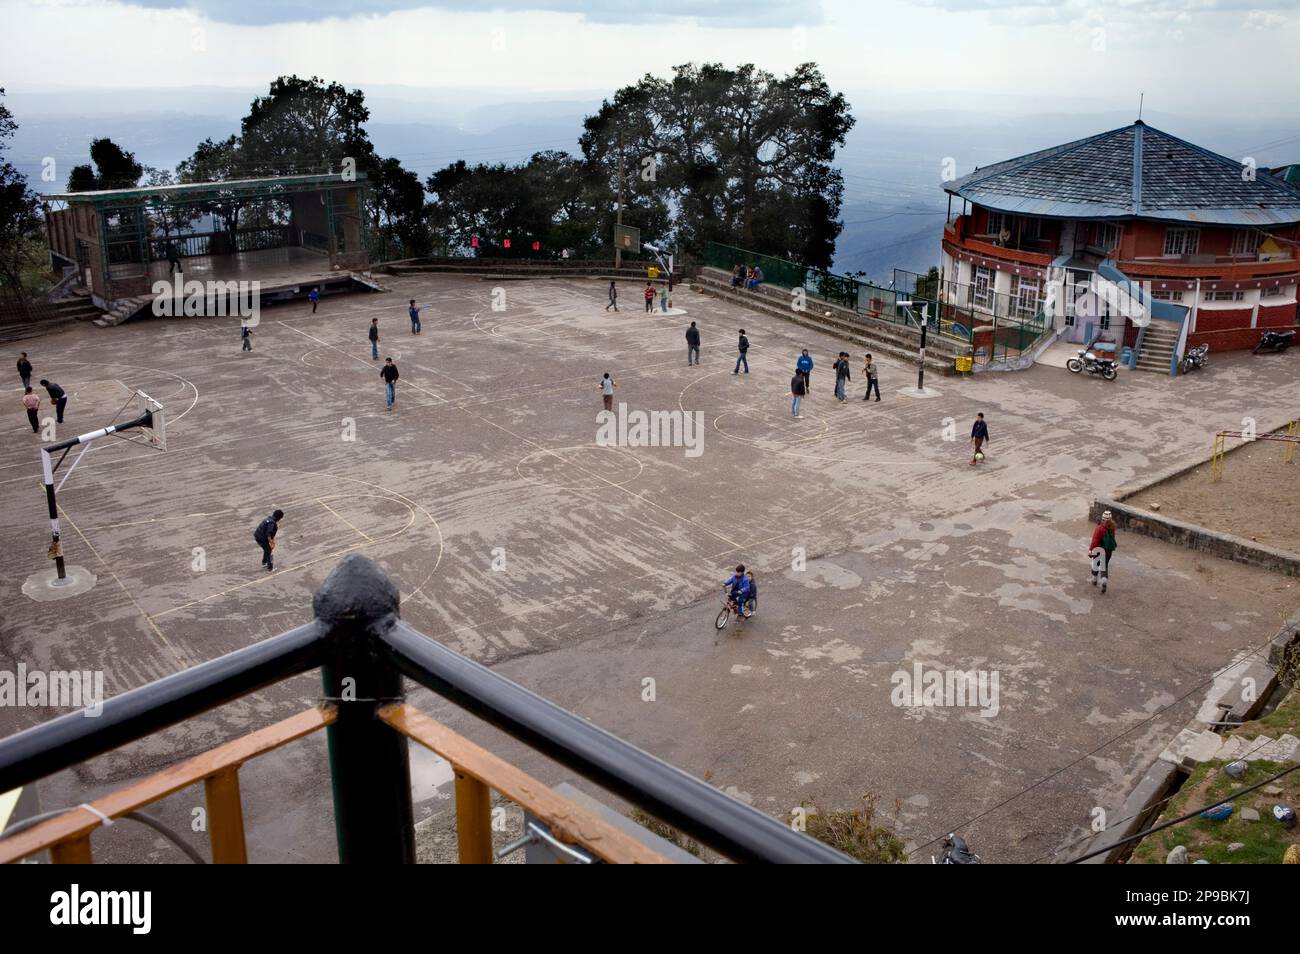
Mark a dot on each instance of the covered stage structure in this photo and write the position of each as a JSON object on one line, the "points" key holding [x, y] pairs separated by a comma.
{"points": [[287, 233]]}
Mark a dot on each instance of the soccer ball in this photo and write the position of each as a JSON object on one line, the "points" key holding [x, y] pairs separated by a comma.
{"points": [[828, 314], [979, 455]]}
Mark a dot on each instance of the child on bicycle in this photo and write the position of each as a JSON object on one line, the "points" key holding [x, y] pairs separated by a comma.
{"points": [[737, 586], [753, 589]]}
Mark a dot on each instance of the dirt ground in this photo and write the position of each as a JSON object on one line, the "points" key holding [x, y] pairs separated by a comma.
{"points": [[1254, 498], [580, 570]]}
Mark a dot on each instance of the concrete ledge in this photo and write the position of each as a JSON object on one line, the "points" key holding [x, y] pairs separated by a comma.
{"points": [[1141, 803], [1224, 545]]}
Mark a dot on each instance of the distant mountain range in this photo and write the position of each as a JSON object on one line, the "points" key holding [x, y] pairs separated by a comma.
{"points": [[892, 162]]}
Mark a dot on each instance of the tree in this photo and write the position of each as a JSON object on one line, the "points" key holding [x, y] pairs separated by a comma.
{"points": [[305, 126], [397, 208], [739, 155], [112, 168], [20, 221]]}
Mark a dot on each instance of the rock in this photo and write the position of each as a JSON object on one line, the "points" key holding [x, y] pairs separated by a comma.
{"points": [[1236, 769], [1249, 815], [1155, 506], [1292, 856], [1237, 846], [1272, 789], [1177, 857]]}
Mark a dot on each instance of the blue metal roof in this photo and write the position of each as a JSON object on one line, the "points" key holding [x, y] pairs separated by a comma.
{"points": [[1134, 172]]}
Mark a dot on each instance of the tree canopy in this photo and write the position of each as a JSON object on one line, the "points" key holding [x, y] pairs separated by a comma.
{"points": [[19, 218], [111, 167]]}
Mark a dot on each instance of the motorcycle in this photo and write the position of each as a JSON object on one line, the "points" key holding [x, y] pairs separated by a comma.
{"points": [[956, 852], [1274, 341], [1195, 359], [1087, 361]]}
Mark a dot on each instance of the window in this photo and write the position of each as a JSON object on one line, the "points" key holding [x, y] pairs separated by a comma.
{"points": [[1245, 242], [1105, 235], [1277, 291], [982, 289], [1225, 296], [1167, 295], [1182, 241], [997, 221], [1027, 297], [1031, 229]]}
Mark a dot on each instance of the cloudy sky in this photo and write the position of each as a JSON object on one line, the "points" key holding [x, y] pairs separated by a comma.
{"points": [[1185, 54]]}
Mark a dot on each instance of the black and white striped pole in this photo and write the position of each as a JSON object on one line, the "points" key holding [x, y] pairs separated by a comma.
{"points": [[925, 325], [49, 466]]}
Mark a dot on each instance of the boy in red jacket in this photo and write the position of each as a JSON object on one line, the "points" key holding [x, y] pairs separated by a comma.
{"points": [[1100, 549]]}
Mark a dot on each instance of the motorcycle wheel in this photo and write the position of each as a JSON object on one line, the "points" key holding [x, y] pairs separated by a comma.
{"points": [[1074, 365], [1110, 374], [1185, 365]]}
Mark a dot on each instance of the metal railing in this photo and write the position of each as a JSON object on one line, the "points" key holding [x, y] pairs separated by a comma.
{"points": [[363, 651]]}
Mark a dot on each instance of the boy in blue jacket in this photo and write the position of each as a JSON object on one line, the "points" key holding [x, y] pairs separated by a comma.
{"points": [[804, 366]]}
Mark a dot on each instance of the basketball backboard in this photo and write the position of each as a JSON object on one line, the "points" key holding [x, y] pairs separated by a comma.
{"points": [[156, 432], [627, 238]]}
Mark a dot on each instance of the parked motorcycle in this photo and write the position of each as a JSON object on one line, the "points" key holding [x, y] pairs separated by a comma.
{"points": [[1195, 359], [956, 852], [1087, 361], [1274, 341]]}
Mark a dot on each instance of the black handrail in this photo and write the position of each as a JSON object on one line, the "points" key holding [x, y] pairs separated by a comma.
{"points": [[363, 649]]}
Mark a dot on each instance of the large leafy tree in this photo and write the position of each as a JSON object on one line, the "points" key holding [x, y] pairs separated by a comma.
{"points": [[19, 219], [740, 155], [397, 208], [305, 126], [111, 167]]}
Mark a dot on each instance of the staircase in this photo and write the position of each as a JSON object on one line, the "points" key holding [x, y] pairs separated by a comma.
{"points": [[880, 337], [123, 310], [48, 317], [1158, 344]]}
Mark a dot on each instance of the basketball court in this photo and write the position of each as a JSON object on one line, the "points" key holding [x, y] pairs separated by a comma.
{"points": [[581, 570]]}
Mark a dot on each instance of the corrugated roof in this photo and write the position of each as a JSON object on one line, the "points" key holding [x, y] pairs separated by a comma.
{"points": [[191, 188], [1135, 171]]}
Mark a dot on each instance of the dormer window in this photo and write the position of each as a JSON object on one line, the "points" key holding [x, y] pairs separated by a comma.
{"points": [[1182, 241]]}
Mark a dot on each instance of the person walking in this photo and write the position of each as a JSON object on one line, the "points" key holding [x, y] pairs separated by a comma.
{"points": [[264, 535], [649, 297], [25, 370], [798, 388], [743, 347], [373, 334], [663, 300], [842, 376], [613, 297], [246, 333], [173, 259], [414, 312], [804, 366], [389, 374], [1101, 548], [607, 390], [314, 297], [58, 396], [692, 345], [32, 401], [979, 436], [869, 369]]}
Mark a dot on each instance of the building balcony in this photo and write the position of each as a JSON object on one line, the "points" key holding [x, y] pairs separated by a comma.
{"points": [[1036, 253], [1221, 268]]}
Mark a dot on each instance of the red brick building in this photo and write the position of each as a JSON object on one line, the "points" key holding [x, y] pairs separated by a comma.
{"points": [[1216, 240]]}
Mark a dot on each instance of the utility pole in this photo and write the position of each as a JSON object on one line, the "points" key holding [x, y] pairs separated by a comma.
{"points": [[618, 212]]}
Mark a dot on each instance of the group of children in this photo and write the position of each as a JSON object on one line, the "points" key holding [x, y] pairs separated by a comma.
{"points": [[742, 277], [742, 591]]}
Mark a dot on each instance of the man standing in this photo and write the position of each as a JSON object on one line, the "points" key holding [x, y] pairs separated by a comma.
{"points": [[32, 401], [246, 333], [613, 297], [314, 297], [389, 373], [797, 390], [173, 259], [649, 297], [842, 376], [979, 436], [607, 390], [692, 345], [265, 537], [414, 312], [869, 369], [25, 370], [374, 339], [743, 346], [804, 366], [59, 398]]}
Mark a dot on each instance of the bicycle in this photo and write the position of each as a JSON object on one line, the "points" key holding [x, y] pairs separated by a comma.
{"points": [[729, 607]]}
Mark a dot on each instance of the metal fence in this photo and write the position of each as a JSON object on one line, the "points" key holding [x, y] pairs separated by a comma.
{"points": [[999, 326]]}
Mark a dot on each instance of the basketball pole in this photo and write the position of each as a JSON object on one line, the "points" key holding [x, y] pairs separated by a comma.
{"points": [[49, 466]]}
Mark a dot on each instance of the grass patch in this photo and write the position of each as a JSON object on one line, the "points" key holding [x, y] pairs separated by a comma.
{"points": [[854, 832], [1265, 840], [667, 832], [1283, 720]]}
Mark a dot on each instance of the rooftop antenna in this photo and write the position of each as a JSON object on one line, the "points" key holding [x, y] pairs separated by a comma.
{"points": [[1141, 98]]}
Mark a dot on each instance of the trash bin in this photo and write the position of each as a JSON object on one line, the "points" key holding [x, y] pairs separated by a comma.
{"points": [[964, 364]]}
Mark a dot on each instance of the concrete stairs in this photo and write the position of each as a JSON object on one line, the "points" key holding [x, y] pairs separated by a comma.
{"points": [[48, 317], [1158, 344], [123, 310], [871, 334]]}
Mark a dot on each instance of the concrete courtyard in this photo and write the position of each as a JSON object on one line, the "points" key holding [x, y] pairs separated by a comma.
{"points": [[582, 570]]}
